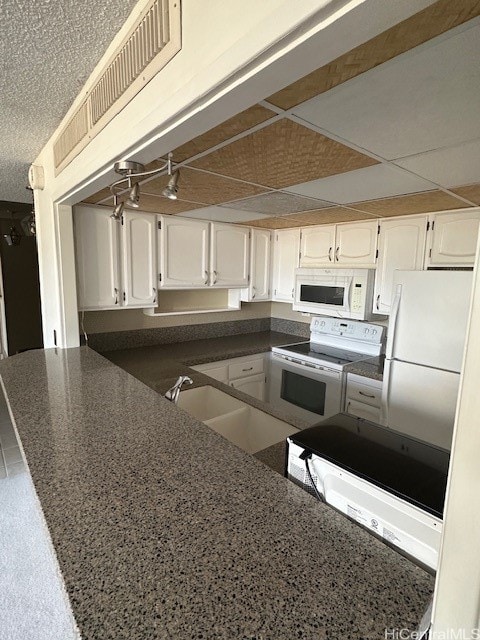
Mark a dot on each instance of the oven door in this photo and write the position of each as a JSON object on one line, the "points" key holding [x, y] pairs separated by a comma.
{"points": [[304, 392], [331, 295]]}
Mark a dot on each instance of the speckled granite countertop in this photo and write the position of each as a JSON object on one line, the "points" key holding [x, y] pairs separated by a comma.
{"points": [[371, 368], [163, 529]]}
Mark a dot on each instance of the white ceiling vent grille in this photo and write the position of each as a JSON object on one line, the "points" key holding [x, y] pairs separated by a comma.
{"points": [[150, 45]]}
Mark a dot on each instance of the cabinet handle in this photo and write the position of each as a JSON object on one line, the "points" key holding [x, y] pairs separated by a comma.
{"points": [[330, 254], [116, 295], [293, 293], [253, 293], [336, 253], [154, 295], [206, 277], [216, 277], [378, 302], [367, 395], [249, 369], [348, 406]]}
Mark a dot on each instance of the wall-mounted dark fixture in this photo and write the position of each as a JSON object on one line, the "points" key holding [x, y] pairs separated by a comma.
{"points": [[12, 238], [131, 170]]}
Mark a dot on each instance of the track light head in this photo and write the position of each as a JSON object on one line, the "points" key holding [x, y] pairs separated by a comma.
{"points": [[171, 189], [117, 210], [133, 199]]}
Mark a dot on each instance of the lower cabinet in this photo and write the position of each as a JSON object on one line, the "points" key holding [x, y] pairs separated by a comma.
{"points": [[246, 374], [363, 397]]}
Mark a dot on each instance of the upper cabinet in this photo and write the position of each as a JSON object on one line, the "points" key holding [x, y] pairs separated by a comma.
{"points": [[453, 238], [285, 260], [183, 252], [401, 245], [138, 232], [229, 255], [116, 261], [346, 244], [260, 260]]}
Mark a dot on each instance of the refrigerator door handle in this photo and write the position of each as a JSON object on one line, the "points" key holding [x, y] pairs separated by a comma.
{"points": [[385, 394], [393, 321]]}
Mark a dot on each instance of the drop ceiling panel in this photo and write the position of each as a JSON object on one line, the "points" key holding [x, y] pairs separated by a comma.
{"points": [[278, 203], [329, 216], [100, 195], [158, 204], [222, 214], [232, 127], [418, 203], [379, 181], [470, 192], [432, 21], [447, 167], [282, 154], [274, 223], [207, 188], [425, 99]]}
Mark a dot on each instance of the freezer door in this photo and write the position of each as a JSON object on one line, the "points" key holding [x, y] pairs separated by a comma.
{"points": [[429, 318], [420, 401]]}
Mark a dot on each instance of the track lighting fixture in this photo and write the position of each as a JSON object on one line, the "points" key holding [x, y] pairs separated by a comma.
{"points": [[171, 189], [129, 170]]}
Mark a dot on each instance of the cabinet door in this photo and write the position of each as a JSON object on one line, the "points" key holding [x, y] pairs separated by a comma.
{"points": [[139, 259], [285, 261], [317, 246], [252, 386], [454, 238], [260, 265], [183, 259], [401, 246], [362, 410], [229, 255], [356, 243], [97, 258]]}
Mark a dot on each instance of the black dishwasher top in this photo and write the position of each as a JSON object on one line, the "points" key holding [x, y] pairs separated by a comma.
{"points": [[411, 469]]}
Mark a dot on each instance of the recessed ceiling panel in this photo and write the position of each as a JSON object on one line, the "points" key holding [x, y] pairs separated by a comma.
{"points": [[329, 216], [278, 203], [282, 154], [470, 192], [222, 214], [447, 167], [274, 223], [425, 99], [432, 21], [208, 188], [417, 203], [232, 127], [159, 204], [379, 181]]}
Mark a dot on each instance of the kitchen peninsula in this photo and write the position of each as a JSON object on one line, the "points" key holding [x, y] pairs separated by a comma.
{"points": [[165, 530]]}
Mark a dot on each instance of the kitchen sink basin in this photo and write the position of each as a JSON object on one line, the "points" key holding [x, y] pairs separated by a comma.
{"points": [[250, 429]]}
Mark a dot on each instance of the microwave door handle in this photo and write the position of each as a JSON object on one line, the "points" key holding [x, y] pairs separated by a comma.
{"points": [[393, 322], [348, 286]]}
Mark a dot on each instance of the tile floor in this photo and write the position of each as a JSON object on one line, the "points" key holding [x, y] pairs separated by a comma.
{"points": [[11, 459]]}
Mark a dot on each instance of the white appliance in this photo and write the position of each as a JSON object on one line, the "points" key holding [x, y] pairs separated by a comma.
{"points": [[424, 353], [389, 483], [307, 380], [341, 293]]}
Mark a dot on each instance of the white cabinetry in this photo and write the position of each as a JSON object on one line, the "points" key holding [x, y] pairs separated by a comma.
{"points": [[285, 261], [260, 260], [115, 260], [229, 255], [138, 233], [453, 238], [346, 244], [183, 252], [401, 245], [246, 373], [363, 397]]}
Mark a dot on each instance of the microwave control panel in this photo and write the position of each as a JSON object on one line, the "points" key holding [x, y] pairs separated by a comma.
{"points": [[358, 296]]}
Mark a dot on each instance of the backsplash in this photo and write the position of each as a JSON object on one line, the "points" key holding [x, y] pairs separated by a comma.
{"points": [[293, 327]]}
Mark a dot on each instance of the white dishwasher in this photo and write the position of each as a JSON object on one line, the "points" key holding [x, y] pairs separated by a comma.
{"points": [[389, 483]]}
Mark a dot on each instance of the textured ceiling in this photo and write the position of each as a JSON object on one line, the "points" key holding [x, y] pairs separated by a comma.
{"points": [[48, 49]]}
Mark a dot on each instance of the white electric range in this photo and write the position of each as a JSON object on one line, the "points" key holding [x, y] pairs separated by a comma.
{"points": [[307, 378]]}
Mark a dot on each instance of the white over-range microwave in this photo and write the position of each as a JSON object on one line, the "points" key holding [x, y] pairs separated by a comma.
{"points": [[341, 293]]}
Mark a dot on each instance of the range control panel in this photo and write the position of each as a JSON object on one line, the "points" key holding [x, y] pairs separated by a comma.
{"points": [[353, 329]]}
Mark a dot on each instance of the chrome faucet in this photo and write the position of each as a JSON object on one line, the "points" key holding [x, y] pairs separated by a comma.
{"points": [[173, 393]]}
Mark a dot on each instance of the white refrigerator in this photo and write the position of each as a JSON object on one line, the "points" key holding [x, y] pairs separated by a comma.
{"points": [[424, 353]]}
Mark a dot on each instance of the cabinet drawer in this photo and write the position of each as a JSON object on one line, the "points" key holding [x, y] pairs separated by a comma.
{"points": [[245, 368], [362, 410], [363, 392]]}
